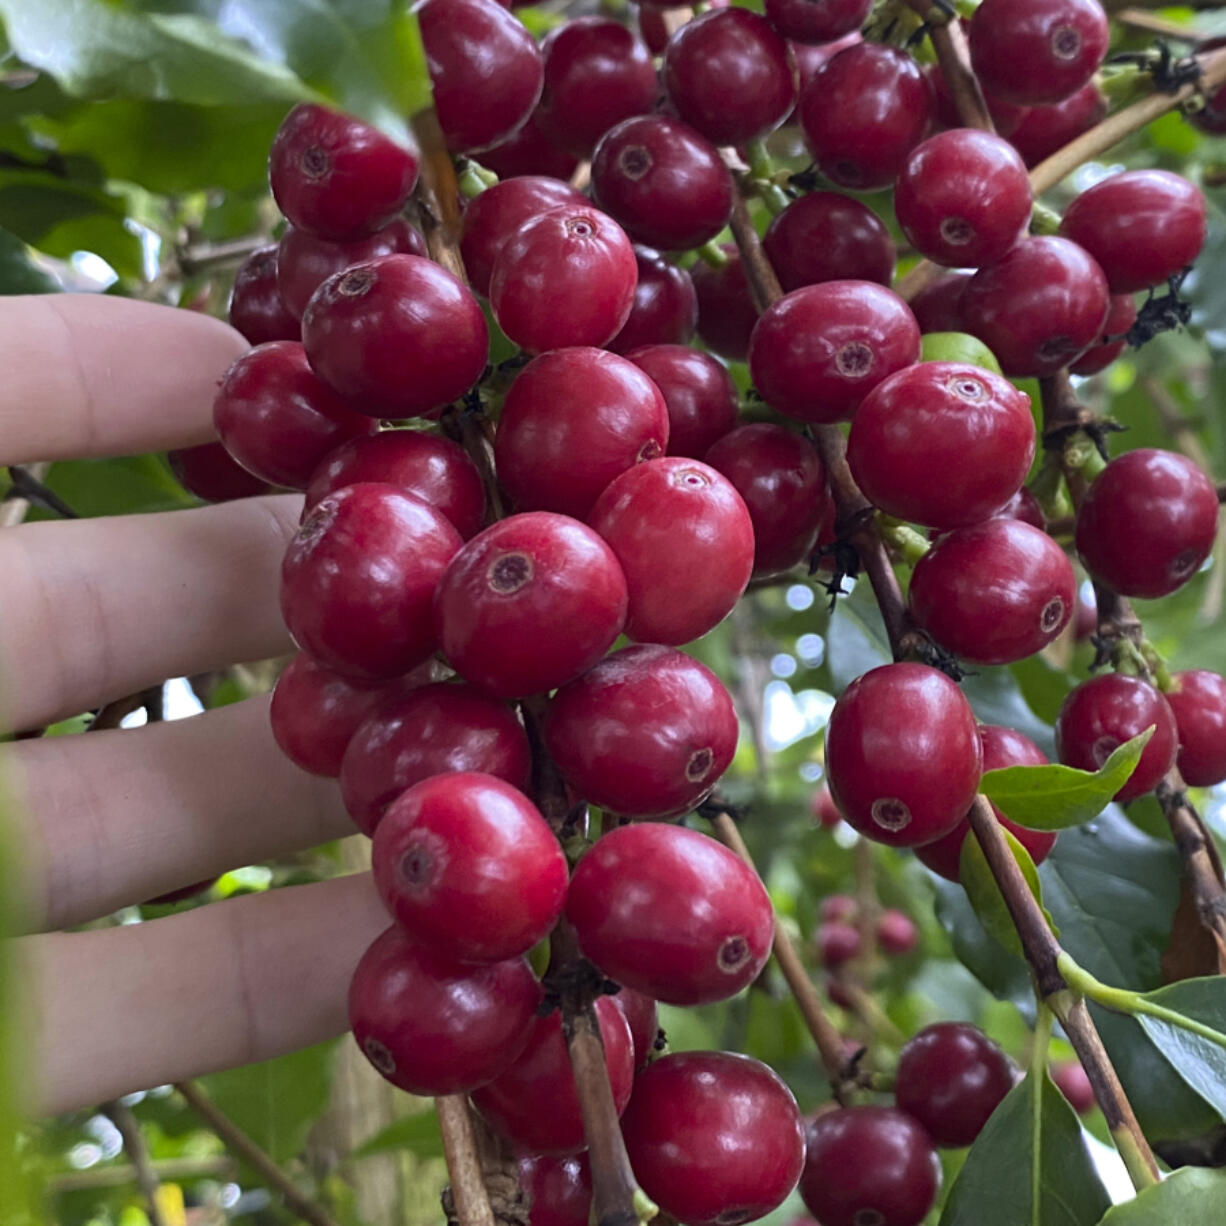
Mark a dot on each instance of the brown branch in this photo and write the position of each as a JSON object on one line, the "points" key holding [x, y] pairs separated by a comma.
{"points": [[954, 59], [206, 256], [468, 1192], [13, 510], [438, 195], [134, 1145], [242, 1146], [1138, 19]]}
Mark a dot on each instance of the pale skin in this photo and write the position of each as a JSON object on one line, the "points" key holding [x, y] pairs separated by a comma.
{"points": [[97, 609]]}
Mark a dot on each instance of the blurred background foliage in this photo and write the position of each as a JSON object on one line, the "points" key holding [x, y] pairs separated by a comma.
{"points": [[133, 145]]}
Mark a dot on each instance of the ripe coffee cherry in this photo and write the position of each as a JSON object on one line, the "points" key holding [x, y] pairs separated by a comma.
{"points": [[942, 444], [315, 712], [277, 418], [817, 352], [963, 197], [840, 907], [1037, 51], [864, 111], [1101, 714], [1006, 117], [1147, 523], [726, 310], [938, 306], [1024, 506], [641, 1013], [1198, 701], [993, 592], [647, 732], [824, 808], [256, 309], [896, 932], [428, 732], [559, 1190], [868, 1164], [1044, 129], [670, 912], [485, 69], [574, 420], [1072, 1082], [665, 310], [817, 21], [209, 472], [467, 864], [398, 336], [358, 580], [305, 262], [434, 469], [783, 484], [665, 183], [335, 176], [596, 74], [1142, 227], [431, 1025], [728, 74], [714, 1137], [566, 278], [530, 603], [1121, 315], [685, 541], [529, 152], [1001, 747], [513, 1104], [837, 942], [903, 754], [498, 212], [951, 1077], [825, 236], [1039, 307]]}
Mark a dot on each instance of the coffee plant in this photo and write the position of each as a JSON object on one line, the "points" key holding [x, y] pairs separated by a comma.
{"points": [[739, 725]]}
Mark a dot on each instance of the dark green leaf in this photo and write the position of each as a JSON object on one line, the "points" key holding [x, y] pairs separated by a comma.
{"points": [[855, 639], [1189, 1197], [1004, 974], [1028, 1167], [1199, 1059], [418, 1134], [984, 893], [18, 272], [121, 486], [1055, 797]]}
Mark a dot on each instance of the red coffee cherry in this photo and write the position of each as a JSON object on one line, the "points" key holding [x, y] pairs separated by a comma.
{"points": [[566, 278], [256, 309], [670, 912], [783, 483], [1024, 506], [714, 1137], [398, 336], [1037, 51], [277, 418], [896, 932], [1001, 747], [665, 310], [643, 1016], [415, 736], [837, 942], [574, 420], [1147, 523], [1198, 701], [963, 198], [432, 468], [1006, 116], [951, 1077], [494, 216], [863, 112], [559, 1190], [1142, 227], [817, 352], [433, 1026], [868, 1164], [993, 592], [1121, 315], [1072, 1082], [839, 907], [1102, 713], [966, 424], [903, 754], [485, 70], [663, 181], [530, 603], [817, 21], [358, 580], [529, 152], [212, 474], [726, 310], [685, 542], [701, 397], [336, 176], [824, 808], [466, 864], [512, 1104], [1044, 129], [825, 236], [938, 306], [647, 732]]}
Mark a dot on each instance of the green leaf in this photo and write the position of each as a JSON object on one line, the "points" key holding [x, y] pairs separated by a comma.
{"points": [[1192, 1196], [276, 1102], [1199, 1059], [1028, 1167], [984, 893], [1056, 797], [418, 1134], [18, 272], [122, 486]]}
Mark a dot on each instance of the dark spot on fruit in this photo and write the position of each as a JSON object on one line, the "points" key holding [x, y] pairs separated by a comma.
{"points": [[1103, 748], [1185, 564], [734, 1217], [416, 866], [650, 450], [1053, 611], [1066, 43], [691, 478], [890, 813], [634, 162], [868, 1217], [957, 230], [854, 361], [699, 765], [733, 954], [379, 1056], [356, 282], [581, 227], [510, 572], [965, 387], [315, 162]]}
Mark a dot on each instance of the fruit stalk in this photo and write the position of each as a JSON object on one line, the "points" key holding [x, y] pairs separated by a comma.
{"points": [[472, 1202], [954, 59]]}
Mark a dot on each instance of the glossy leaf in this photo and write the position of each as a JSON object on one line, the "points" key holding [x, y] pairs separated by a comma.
{"points": [[984, 894], [1199, 1059], [1192, 1196], [18, 272]]}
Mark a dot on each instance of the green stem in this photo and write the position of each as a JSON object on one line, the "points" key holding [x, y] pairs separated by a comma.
{"points": [[1050, 489], [711, 253], [909, 544], [1157, 667], [762, 177], [1041, 1041], [1081, 454], [1043, 220], [1134, 1161], [473, 178], [760, 164]]}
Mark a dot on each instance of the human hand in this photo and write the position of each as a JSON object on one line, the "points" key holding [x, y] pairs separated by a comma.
{"points": [[95, 610]]}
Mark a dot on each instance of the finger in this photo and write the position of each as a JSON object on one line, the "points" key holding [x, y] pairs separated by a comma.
{"points": [[115, 1010], [96, 609], [88, 375], [116, 818]]}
